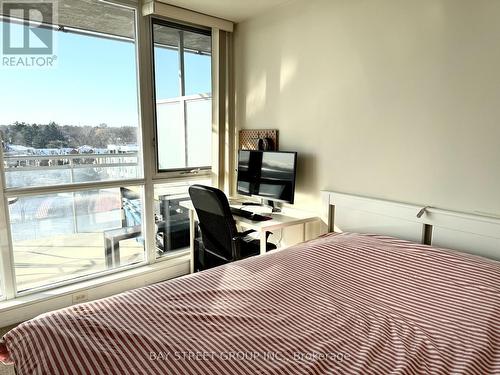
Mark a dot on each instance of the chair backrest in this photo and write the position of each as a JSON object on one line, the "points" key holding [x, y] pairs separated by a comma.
{"points": [[218, 227]]}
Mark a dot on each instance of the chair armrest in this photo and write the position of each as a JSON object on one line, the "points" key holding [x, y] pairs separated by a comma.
{"points": [[241, 235]]}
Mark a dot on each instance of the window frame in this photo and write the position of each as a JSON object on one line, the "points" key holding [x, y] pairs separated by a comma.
{"points": [[147, 159], [187, 173], [8, 278]]}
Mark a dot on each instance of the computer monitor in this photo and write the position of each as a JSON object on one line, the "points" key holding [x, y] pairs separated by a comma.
{"points": [[267, 174]]}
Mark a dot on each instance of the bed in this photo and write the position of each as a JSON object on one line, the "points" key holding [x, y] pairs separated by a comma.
{"points": [[346, 303]]}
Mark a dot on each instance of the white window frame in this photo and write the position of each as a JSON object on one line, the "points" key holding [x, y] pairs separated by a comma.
{"points": [[8, 277], [183, 173], [148, 160]]}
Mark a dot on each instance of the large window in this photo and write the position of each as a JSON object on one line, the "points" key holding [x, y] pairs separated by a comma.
{"points": [[73, 179], [183, 81], [66, 125]]}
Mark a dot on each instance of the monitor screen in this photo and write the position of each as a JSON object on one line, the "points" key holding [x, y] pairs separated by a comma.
{"points": [[267, 174]]}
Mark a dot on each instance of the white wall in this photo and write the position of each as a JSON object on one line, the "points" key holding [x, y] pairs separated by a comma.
{"points": [[396, 99]]}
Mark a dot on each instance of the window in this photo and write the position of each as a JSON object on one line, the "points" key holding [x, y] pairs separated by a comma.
{"points": [[72, 124], [73, 177], [183, 81]]}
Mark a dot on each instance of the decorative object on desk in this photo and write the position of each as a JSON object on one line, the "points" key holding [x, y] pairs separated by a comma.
{"points": [[265, 144], [259, 139]]}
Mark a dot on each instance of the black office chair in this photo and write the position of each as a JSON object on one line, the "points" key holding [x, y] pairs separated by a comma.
{"points": [[222, 243]]}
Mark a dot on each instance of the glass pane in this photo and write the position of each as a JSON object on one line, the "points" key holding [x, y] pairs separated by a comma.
{"points": [[171, 136], [197, 63], [172, 219], [183, 96], [74, 122], [166, 60], [199, 132], [64, 236]]}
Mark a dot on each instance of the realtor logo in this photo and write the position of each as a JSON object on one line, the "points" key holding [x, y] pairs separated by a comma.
{"points": [[25, 30], [28, 33]]}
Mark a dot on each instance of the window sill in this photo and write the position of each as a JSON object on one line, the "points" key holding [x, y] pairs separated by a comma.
{"points": [[26, 307]]}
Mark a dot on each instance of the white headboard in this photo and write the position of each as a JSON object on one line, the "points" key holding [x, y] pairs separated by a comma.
{"points": [[474, 234]]}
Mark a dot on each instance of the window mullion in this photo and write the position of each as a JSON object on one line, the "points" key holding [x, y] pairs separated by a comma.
{"points": [[55, 189], [7, 276], [217, 150], [182, 102], [182, 82], [147, 116]]}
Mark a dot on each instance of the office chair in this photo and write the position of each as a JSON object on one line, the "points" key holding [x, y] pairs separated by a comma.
{"points": [[222, 243]]}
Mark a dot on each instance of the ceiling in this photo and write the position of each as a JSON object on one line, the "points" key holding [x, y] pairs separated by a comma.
{"points": [[232, 10]]}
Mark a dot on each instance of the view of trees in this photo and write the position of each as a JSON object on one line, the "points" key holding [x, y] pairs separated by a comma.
{"points": [[57, 136]]}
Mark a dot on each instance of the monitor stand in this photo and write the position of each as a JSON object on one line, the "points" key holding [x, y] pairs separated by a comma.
{"points": [[264, 203]]}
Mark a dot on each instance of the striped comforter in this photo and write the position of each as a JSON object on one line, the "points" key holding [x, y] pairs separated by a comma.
{"points": [[347, 303]]}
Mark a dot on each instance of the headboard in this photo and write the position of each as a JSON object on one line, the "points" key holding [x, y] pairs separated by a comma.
{"points": [[475, 234]]}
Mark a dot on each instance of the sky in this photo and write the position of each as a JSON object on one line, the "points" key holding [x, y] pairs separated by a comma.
{"points": [[94, 82]]}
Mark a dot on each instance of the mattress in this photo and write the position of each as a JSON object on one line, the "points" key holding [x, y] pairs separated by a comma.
{"points": [[344, 303]]}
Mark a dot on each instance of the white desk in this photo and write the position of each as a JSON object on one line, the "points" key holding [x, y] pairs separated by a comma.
{"points": [[280, 220]]}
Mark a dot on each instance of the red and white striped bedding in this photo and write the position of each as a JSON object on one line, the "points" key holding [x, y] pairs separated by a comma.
{"points": [[348, 303]]}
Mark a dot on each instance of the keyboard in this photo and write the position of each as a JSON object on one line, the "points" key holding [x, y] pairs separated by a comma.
{"points": [[249, 215]]}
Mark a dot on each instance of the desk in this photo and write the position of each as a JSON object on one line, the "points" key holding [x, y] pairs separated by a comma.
{"points": [[280, 220], [112, 240]]}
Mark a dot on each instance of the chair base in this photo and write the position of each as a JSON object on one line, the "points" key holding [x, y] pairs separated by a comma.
{"points": [[205, 260]]}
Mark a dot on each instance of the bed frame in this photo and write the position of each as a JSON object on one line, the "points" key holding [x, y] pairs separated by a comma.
{"points": [[475, 234]]}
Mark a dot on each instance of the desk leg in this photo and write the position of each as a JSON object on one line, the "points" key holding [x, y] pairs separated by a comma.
{"points": [[191, 241], [107, 253], [116, 253], [263, 242]]}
